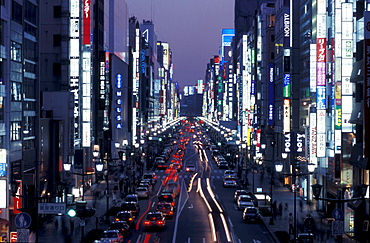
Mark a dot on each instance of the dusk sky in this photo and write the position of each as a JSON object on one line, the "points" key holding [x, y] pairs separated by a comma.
{"points": [[191, 27]]}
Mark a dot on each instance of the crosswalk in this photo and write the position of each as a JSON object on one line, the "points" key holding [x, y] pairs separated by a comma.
{"points": [[218, 174]]}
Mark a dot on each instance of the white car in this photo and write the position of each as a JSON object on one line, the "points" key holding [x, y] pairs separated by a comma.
{"points": [[230, 182], [244, 201], [142, 192], [229, 173]]}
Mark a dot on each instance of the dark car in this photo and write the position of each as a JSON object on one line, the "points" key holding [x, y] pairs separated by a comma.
{"points": [[223, 165], [132, 207], [151, 176], [132, 198], [251, 214], [237, 193], [166, 209], [126, 216], [154, 220], [121, 226], [166, 197]]}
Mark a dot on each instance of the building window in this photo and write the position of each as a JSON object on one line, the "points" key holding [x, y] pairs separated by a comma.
{"points": [[29, 89], [30, 12], [2, 31], [30, 29], [57, 40], [15, 131], [15, 51], [16, 12], [57, 69], [29, 126], [57, 11], [16, 94]]}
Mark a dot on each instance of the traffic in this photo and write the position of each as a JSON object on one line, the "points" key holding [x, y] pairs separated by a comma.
{"points": [[192, 194]]}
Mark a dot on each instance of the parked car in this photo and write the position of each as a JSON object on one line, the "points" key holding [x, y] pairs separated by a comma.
{"points": [[126, 216], [121, 226], [132, 198], [142, 192], [229, 182], [167, 209], [132, 207], [237, 193], [244, 201], [229, 173], [154, 220], [111, 236], [251, 214], [151, 176]]}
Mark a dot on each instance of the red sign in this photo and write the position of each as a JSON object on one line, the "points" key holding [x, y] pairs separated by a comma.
{"points": [[13, 236], [17, 199], [86, 22]]}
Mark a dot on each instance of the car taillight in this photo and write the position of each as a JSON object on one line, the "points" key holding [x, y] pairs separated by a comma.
{"points": [[117, 219], [171, 212], [146, 222], [160, 222], [130, 219], [173, 203]]}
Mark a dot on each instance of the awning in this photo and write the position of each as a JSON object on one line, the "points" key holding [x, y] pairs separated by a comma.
{"points": [[4, 221], [354, 204], [357, 158], [89, 169], [357, 74], [356, 116]]}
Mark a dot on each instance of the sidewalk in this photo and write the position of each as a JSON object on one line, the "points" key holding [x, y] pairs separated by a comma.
{"points": [[280, 227]]}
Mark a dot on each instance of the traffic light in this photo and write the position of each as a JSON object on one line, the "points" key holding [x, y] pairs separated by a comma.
{"points": [[81, 213], [297, 164]]}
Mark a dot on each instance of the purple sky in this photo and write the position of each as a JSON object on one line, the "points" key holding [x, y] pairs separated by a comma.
{"points": [[191, 27]]}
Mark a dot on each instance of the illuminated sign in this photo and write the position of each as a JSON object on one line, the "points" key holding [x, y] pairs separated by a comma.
{"points": [[17, 199], [286, 120], [287, 142], [86, 21], [286, 25], [321, 97], [366, 90], [3, 192], [271, 95], [286, 88], [312, 138]]}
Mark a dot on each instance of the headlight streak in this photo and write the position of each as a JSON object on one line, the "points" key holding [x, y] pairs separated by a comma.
{"points": [[191, 182], [210, 191], [202, 195], [228, 236], [212, 225]]}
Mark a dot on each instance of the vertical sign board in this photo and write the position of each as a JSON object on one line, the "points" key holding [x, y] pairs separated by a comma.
{"points": [[86, 21], [17, 199], [271, 95], [366, 89]]}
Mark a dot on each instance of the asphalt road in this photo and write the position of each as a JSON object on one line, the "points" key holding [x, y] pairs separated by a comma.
{"points": [[204, 213]]}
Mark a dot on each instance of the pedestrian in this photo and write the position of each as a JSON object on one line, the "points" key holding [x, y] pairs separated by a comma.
{"points": [[291, 227], [280, 210]]}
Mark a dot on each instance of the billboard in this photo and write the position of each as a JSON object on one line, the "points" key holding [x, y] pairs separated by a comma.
{"points": [[271, 95], [86, 22]]}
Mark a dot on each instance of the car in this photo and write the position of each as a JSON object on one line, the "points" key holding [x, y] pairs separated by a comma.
{"points": [[150, 176], [173, 187], [126, 216], [251, 214], [154, 220], [132, 207], [244, 201], [223, 165], [142, 192], [190, 168], [166, 197], [229, 182], [166, 209], [111, 236], [121, 226], [237, 193], [132, 198], [229, 173]]}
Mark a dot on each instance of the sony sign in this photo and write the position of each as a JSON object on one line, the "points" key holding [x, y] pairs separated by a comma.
{"points": [[286, 25], [300, 142], [287, 142]]}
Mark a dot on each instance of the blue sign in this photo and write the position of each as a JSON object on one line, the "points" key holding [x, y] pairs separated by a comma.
{"points": [[337, 214], [23, 220], [321, 97], [2, 169]]}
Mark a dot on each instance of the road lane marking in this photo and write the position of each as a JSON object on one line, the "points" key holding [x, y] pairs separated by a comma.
{"points": [[212, 225], [225, 227]]}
